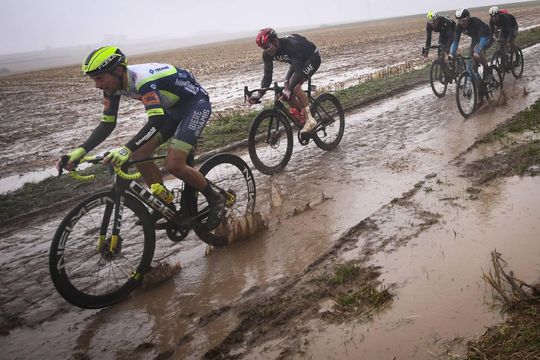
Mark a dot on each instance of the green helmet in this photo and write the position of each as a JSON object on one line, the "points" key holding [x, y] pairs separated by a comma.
{"points": [[104, 59], [432, 16]]}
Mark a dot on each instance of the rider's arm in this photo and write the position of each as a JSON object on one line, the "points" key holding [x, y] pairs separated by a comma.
{"points": [[156, 119], [429, 30], [107, 125], [455, 43], [268, 70]]}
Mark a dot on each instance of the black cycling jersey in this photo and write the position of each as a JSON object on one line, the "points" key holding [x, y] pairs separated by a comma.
{"points": [[477, 29], [506, 23], [445, 28], [293, 49]]}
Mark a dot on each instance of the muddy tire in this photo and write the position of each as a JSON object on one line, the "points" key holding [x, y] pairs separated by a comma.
{"points": [[270, 142], [494, 86], [328, 112], [438, 78], [232, 174], [466, 94], [517, 63], [84, 270]]}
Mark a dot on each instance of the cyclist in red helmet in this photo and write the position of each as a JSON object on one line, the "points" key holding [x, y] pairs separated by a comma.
{"points": [[304, 59]]}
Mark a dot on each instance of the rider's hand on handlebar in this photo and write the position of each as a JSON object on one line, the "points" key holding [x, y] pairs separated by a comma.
{"points": [[450, 56], [254, 98], [476, 56], [117, 156], [70, 160]]}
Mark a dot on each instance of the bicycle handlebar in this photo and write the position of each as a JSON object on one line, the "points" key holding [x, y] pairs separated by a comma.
{"points": [[277, 90], [116, 169]]}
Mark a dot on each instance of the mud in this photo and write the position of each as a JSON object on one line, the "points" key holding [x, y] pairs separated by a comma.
{"points": [[393, 199]]}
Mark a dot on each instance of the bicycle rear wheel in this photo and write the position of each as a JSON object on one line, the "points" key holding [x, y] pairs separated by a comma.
{"points": [[517, 63], [86, 268], [270, 141], [497, 60], [230, 173], [494, 85], [330, 118], [466, 94], [438, 78]]}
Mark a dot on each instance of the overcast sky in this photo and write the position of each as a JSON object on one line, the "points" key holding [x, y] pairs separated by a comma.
{"points": [[28, 25]]}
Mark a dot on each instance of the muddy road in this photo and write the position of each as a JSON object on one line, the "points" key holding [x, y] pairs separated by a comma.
{"points": [[390, 196]]}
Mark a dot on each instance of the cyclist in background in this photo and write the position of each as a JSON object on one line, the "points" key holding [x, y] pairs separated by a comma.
{"points": [[304, 59], [479, 32], [444, 26], [177, 107], [507, 25]]}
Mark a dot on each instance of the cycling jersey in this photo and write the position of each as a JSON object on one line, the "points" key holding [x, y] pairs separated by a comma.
{"points": [[506, 23], [169, 96], [446, 28], [477, 29], [300, 53]]}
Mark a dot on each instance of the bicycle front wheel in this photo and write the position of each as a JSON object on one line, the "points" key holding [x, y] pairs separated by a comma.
{"points": [[466, 94], [517, 63], [89, 267], [494, 85], [497, 60], [270, 142], [438, 79], [230, 173], [330, 118]]}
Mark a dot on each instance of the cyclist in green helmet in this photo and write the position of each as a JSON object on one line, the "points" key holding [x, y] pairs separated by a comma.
{"points": [[177, 108]]}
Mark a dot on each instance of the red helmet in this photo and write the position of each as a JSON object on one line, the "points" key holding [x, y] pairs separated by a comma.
{"points": [[264, 36]]}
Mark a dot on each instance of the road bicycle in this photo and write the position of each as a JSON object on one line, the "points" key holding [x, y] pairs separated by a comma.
{"points": [[508, 61], [442, 71], [270, 138], [471, 87], [104, 246]]}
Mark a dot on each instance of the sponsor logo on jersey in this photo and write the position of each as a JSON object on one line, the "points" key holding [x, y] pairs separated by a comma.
{"points": [[283, 58], [151, 98], [158, 69]]}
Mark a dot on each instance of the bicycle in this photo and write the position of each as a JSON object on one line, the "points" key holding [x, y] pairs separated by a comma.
{"points": [[471, 88], [270, 138], [510, 61], [104, 246], [443, 72]]}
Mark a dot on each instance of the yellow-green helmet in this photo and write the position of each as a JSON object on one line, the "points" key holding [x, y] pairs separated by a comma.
{"points": [[432, 16], [104, 59]]}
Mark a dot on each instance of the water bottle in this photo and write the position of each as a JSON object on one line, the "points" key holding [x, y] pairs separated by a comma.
{"points": [[161, 192]]}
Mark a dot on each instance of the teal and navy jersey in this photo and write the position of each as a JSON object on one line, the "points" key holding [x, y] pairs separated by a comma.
{"points": [[158, 86]]}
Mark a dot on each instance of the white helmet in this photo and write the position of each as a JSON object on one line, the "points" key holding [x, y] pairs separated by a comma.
{"points": [[462, 14], [432, 16], [493, 11]]}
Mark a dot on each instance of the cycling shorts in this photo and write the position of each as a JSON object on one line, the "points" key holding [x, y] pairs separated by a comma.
{"points": [[480, 46], [310, 66], [186, 122]]}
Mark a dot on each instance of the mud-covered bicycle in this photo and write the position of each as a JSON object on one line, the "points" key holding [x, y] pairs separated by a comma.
{"points": [[270, 138], [508, 61], [471, 87], [104, 246], [443, 71]]}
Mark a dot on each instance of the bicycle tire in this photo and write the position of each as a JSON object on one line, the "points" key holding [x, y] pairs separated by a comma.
{"points": [[327, 110], [232, 174], [437, 75], [497, 60], [466, 89], [74, 256], [264, 140], [517, 58], [494, 85]]}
